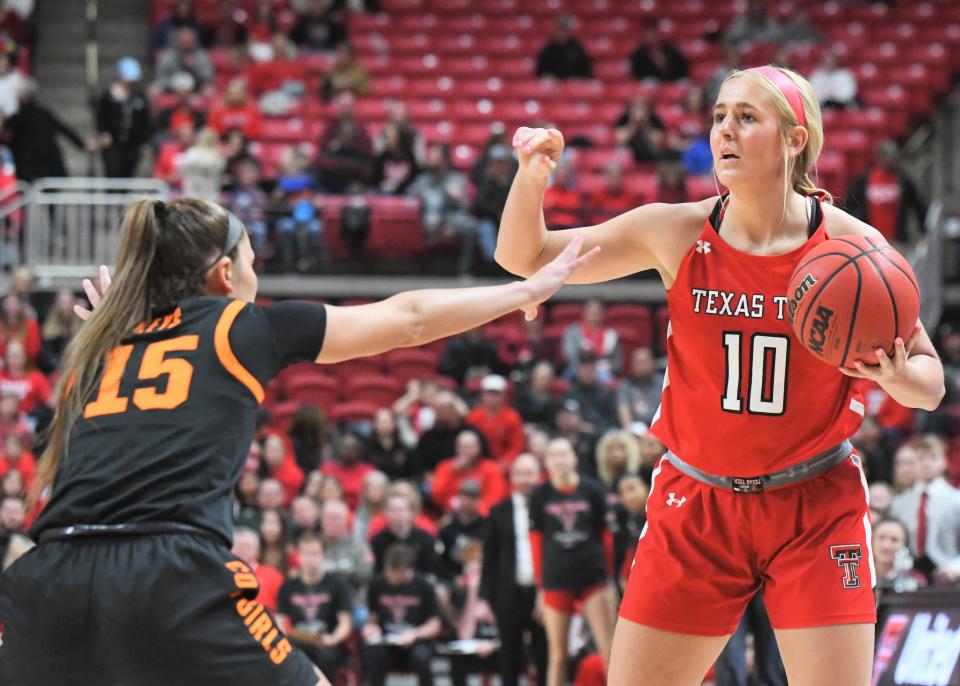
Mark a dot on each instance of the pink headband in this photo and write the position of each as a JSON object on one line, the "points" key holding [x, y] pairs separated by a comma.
{"points": [[787, 87]]}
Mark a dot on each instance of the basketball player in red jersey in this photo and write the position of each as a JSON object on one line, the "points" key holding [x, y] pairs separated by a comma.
{"points": [[759, 488]]}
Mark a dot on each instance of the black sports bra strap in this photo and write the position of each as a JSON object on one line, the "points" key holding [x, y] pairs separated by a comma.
{"points": [[816, 214]]}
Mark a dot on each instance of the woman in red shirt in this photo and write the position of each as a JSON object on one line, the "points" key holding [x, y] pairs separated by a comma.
{"points": [[16, 324], [19, 378]]}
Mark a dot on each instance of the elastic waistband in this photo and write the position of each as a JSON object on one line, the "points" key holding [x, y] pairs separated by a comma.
{"points": [[84, 531], [809, 468]]}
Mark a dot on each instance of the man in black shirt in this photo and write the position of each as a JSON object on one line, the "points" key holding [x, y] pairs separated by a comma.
{"points": [[402, 623], [564, 57], [316, 608], [400, 529], [439, 441], [465, 527]]}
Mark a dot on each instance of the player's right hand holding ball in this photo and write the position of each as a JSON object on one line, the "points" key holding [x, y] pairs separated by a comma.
{"points": [[539, 151]]}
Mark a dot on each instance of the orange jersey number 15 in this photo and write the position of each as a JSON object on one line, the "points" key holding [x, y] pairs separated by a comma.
{"points": [[155, 364]]}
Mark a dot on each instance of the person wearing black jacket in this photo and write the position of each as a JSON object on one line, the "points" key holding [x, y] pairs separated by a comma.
{"points": [[33, 138], [657, 58], [123, 121], [564, 57], [507, 580]]}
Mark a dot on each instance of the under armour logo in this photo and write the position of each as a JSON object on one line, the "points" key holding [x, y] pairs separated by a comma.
{"points": [[674, 500], [703, 247], [848, 558]]}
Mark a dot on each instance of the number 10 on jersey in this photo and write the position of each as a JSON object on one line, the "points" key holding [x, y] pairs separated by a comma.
{"points": [[765, 378]]}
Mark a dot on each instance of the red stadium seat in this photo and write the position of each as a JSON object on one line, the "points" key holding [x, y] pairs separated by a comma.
{"points": [[360, 366], [351, 412], [636, 318], [377, 389], [322, 391], [562, 314], [413, 363]]}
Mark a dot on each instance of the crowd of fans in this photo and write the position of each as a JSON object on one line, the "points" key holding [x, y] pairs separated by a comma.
{"points": [[377, 541], [203, 121]]}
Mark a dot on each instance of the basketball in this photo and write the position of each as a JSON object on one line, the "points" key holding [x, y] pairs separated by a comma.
{"points": [[850, 296]]}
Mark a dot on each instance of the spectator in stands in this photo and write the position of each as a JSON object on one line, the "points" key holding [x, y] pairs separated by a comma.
{"points": [[499, 423], [270, 496], [692, 123], [349, 467], [386, 450], [755, 25], [279, 463], [563, 200], [612, 198], [183, 16], [638, 396], [13, 421], [12, 24], [237, 111], [373, 499], [23, 285], [185, 55], [597, 402], [906, 468], [304, 516], [17, 456], [657, 58], [19, 376], [473, 622], [280, 74], [315, 609], [320, 28], [470, 355], [260, 28], [591, 335], [395, 167], [564, 57], [398, 115], [618, 455], [571, 425], [891, 558], [498, 136], [797, 29], [464, 529], [18, 324], [439, 441], [672, 183], [630, 516], [230, 30], [201, 167], [732, 59], [876, 452], [123, 121], [249, 203], [346, 73], [13, 514], [349, 558], [166, 166], [491, 197], [313, 437], [185, 108], [533, 347], [881, 496], [246, 510], [468, 463], [411, 491], [444, 196], [12, 484], [404, 621], [886, 197], [246, 546], [345, 150], [536, 401], [401, 529], [11, 79], [640, 130], [275, 539], [32, 133], [300, 227], [834, 84], [931, 512]]}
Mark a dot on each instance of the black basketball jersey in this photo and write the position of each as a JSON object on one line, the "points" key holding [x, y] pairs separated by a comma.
{"points": [[166, 433]]}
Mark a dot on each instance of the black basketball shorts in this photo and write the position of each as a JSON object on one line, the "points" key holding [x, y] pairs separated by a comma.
{"points": [[153, 610]]}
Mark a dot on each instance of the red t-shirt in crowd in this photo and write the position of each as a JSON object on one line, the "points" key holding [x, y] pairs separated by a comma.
{"points": [[165, 168], [271, 75], [605, 204], [447, 480], [351, 478], [503, 431], [33, 389], [270, 580], [29, 337], [247, 118], [26, 464], [378, 523], [883, 201], [562, 207]]}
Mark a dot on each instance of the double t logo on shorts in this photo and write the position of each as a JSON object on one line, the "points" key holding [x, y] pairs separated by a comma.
{"points": [[848, 559]]}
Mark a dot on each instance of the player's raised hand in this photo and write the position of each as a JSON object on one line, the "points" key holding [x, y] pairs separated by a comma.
{"points": [[548, 279], [94, 293], [539, 150]]}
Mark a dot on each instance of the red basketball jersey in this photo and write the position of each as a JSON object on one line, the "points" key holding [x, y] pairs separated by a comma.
{"points": [[742, 397]]}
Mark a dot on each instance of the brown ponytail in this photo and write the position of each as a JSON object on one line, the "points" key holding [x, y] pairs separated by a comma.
{"points": [[163, 250]]}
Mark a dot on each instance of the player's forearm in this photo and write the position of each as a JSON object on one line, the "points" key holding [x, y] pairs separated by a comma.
{"points": [[428, 630], [523, 231], [438, 313], [920, 385], [342, 631]]}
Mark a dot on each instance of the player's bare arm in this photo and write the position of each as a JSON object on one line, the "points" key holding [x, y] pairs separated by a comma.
{"points": [[653, 236], [913, 375]]}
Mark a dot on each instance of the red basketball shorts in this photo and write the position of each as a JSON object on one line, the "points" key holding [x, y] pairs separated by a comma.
{"points": [[706, 551], [565, 601]]}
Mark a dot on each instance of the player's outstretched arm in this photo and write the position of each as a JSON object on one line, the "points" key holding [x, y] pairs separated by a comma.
{"points": [[632, 242], [418, 317]]}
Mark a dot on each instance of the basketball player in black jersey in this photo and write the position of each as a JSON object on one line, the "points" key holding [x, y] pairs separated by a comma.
{"points": [[133, 581]]}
